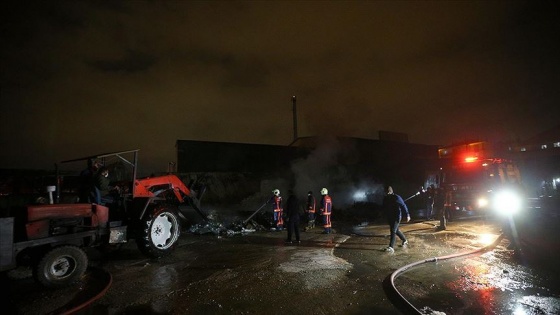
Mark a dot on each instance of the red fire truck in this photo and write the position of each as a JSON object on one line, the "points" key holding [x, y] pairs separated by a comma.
{"points": [[475, 179]]}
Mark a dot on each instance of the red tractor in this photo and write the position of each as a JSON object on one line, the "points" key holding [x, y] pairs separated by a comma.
{"points": [[50, 237]]}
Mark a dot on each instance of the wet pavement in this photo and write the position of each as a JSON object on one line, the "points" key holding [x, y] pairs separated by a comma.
{"points": [[341, 273]]}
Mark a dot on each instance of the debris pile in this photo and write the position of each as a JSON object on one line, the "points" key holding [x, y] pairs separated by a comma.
{"points": [[218, 228], [230, 222]]}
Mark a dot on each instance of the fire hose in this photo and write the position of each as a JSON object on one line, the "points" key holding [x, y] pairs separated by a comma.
{"points": [[399, 300], [416, 194], [254, 213], [97, 289]]}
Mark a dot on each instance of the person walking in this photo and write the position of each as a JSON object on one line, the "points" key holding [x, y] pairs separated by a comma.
{"points": [[326, 210], [310, 208], [292, 216], [277, 209], [394, 208]]}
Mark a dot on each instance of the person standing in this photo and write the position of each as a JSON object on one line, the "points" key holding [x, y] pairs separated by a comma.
{"points": [[86, 181], [292, 216], [277, 209], [326, 210], [447, 212], [439, 202], [443, 203], [430, 199], [310, 208], [394, 208]]}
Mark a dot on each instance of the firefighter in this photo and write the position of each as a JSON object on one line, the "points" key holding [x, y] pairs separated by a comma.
{"points": [[430, 195], [394, 208], [310, 208], [326, 210], [277, 209], [439, 202], [445, 214]]}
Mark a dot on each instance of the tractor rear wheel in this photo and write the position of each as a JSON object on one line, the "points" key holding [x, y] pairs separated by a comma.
{"points": [[160, 231], [61, 266]]}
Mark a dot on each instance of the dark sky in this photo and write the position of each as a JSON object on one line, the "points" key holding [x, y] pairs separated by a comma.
{"points": [[86, 77]]}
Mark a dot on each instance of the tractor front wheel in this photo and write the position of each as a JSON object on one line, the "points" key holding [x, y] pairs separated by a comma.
{"points": [[160, 231], [61, 266]]}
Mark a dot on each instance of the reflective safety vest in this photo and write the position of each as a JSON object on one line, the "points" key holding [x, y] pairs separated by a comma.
{"points": [[277, 204], [326, 210], [326, 205], [277, 207]]}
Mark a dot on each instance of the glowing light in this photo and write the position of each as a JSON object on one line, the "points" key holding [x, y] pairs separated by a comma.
{"points": [[470, 159], [359, 195], [482, 202], [519, 311], [486, 239], [507, 202]]}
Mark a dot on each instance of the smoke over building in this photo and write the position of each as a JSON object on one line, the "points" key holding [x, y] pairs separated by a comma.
{"points": [[353, 169]]}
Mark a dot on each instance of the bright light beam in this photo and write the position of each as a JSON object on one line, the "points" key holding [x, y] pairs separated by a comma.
{"points": [[507, 203]]}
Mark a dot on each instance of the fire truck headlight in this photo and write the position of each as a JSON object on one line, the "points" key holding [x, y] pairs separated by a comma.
{"points": [[507, 202], [482, 202]]}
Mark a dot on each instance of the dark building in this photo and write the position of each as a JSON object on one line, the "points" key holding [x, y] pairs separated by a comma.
{"points": [[538, 159], [344, 165], [207, 156], [350, 167]]}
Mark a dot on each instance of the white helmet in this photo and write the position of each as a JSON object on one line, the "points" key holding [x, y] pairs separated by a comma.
{"points": [[276, 192], [324, 191]]}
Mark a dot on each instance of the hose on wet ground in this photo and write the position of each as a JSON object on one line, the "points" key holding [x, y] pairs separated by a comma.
{"points": [[96, 290], [399, 300], [356, 232]]}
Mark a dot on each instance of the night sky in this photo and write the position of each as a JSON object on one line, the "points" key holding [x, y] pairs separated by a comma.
{"points": [[86, 77]]}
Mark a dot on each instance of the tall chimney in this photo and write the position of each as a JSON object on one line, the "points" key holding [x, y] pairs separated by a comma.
{"points": [[295, 117]]}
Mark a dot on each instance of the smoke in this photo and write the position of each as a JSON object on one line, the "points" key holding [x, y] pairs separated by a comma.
{"points": [[316, 170], [332, 165]]}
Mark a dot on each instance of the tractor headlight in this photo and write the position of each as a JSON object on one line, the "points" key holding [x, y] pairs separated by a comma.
{"points": [[507, 202]]}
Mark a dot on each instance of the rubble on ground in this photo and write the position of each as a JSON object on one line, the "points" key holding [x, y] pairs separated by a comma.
{"points": [[218, 228]]}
